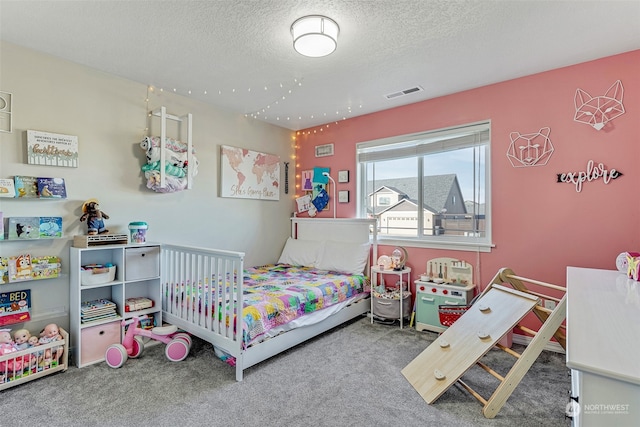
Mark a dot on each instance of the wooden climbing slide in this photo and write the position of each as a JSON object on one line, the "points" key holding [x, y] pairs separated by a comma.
{"points": [[499, 309]]}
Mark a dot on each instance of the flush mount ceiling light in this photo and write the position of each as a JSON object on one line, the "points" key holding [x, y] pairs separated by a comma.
{"points": [[315, 35]]}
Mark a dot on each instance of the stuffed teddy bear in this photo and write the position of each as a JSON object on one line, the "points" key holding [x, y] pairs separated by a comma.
{"points": [[94, 216]]}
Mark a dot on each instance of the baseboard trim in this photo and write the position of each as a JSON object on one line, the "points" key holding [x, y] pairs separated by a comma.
{"points": [[550, 346]]}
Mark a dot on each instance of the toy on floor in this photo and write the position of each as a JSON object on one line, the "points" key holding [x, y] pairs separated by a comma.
{"points": [[94, 216], [498, 309], [177, 349]]}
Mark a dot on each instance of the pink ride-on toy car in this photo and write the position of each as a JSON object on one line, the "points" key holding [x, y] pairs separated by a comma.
{"points": [[177, 349]]}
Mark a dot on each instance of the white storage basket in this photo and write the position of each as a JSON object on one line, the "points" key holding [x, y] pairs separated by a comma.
{"points": [[97, 276]]}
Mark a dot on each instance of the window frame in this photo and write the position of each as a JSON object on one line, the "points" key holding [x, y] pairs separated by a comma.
{"points": [[429, 141]]}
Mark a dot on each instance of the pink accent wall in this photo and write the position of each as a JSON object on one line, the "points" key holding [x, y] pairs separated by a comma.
{"points": [[539, 226]]}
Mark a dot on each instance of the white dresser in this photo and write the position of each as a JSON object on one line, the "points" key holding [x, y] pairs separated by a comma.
{"points": [[603, 347]]}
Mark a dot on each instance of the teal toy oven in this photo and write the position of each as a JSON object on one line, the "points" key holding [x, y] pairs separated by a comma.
{"points": [[430, 295]]}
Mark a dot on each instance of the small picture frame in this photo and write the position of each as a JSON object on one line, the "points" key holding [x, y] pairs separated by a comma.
{"points": [[6, 101], [343, 196], [324, 150], [343, 176]]}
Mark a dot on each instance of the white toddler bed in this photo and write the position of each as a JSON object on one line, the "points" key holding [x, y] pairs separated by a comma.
{"points": [[205, 291]]}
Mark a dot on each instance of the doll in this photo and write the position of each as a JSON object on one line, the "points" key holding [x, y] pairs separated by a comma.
{"points": [[21, 338], [51, 333], [38, 356], [6, 343], [7, 346]]}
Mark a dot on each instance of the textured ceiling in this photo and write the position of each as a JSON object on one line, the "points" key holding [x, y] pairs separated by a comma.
{"points": [[233, 50]]}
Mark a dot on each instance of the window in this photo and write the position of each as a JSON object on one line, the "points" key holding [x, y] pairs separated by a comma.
{"points": [[429, 189], [384, 200]]}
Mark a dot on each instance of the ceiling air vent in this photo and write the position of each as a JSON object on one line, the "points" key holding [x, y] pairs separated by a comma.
{"points": [[403, 92]]}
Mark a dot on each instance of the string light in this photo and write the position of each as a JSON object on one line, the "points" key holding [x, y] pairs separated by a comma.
{"points": [[260, 113], [289, 89]]}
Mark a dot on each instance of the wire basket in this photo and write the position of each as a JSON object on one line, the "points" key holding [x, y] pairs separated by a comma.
{"points": [[450, 313]]}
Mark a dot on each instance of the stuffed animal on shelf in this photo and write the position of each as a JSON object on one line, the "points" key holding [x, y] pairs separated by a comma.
{"points": [[176, 166], [94, 216]]}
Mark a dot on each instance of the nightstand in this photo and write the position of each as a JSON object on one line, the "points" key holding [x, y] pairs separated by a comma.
{"points": [[395, 304]]}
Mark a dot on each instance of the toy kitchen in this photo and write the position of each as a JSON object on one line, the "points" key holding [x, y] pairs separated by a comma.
{"points": [[447, 281]]}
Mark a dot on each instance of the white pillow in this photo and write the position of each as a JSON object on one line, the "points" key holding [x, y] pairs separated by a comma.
{"points": [[301, 252], [344, 257]]}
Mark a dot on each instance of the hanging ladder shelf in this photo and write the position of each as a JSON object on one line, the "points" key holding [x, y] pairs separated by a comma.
{"points": [[188, 118]]}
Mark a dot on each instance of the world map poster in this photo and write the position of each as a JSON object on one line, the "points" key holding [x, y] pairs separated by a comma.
{"points": [[247, 174]]}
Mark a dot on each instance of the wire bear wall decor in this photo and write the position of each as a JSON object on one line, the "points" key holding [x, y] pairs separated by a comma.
{"points": [[531, 149]]}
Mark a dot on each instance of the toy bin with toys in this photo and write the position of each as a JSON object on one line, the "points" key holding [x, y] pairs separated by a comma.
{"points": [[96, 274], [25, 357]]}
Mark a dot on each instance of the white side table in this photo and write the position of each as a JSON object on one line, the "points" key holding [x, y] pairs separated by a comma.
{"points": [[404, 273]]}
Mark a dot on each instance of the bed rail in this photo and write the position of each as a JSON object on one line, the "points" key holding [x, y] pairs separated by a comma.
{"points": [[202, 293]]}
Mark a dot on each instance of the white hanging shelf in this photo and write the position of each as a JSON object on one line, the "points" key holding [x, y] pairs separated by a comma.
{"points": [[188, 118]]}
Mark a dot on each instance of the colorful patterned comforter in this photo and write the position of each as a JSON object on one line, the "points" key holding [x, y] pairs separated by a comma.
{"points": [[277, 294], [274, 295]]}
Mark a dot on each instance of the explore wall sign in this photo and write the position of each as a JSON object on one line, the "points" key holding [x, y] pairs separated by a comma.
{"points": [[592, 173]]}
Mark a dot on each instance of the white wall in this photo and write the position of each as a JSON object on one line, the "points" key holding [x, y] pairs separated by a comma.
{"points": [[109, 116]]}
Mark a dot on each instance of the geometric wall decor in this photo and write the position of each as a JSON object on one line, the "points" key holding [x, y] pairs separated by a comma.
{"points": [[597, 111], [532, 149]]}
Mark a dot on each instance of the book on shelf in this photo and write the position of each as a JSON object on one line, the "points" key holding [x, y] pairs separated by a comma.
{"points": [[1, 226], [45, 267], [95, 318], [26, 186], [100, 309], [20, 268], [23, 227], [52, 188], [98, 304], [26, 267], [50, 227], [14, 307], [4, 270], [7, 187]]}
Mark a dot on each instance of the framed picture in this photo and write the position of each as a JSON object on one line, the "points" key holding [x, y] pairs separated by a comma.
{"points": [[324, 150], [343, 196], [241, 178], [343, 176], [6, 100], [52, 149]]}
